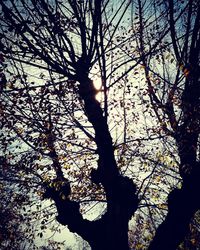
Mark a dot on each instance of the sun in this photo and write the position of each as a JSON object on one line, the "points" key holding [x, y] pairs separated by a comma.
{"points": [[98, 85]]}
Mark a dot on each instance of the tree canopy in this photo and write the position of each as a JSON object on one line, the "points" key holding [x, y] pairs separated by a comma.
{"points": [[100, 114]]}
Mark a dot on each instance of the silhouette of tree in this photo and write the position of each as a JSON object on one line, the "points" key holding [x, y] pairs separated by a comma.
{"points": [[58, 127]]}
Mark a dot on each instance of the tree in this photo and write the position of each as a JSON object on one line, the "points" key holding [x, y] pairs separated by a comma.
{"points": [[178, 111], [58, 127]]}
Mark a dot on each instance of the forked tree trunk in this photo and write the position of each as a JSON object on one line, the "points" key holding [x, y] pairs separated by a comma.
{"points": [[110, 232]]}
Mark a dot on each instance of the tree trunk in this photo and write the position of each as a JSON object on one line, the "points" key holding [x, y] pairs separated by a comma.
{"points": [[182, 205], [111, 230]]}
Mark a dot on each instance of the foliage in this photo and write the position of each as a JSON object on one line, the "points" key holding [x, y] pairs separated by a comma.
{"points": [[100, 112]]}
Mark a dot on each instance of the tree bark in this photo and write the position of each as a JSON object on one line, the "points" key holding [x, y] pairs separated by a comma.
{"points": [[182, 205]]}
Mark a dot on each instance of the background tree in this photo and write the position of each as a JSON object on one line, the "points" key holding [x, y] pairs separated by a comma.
{"points": [[175, 100]]}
